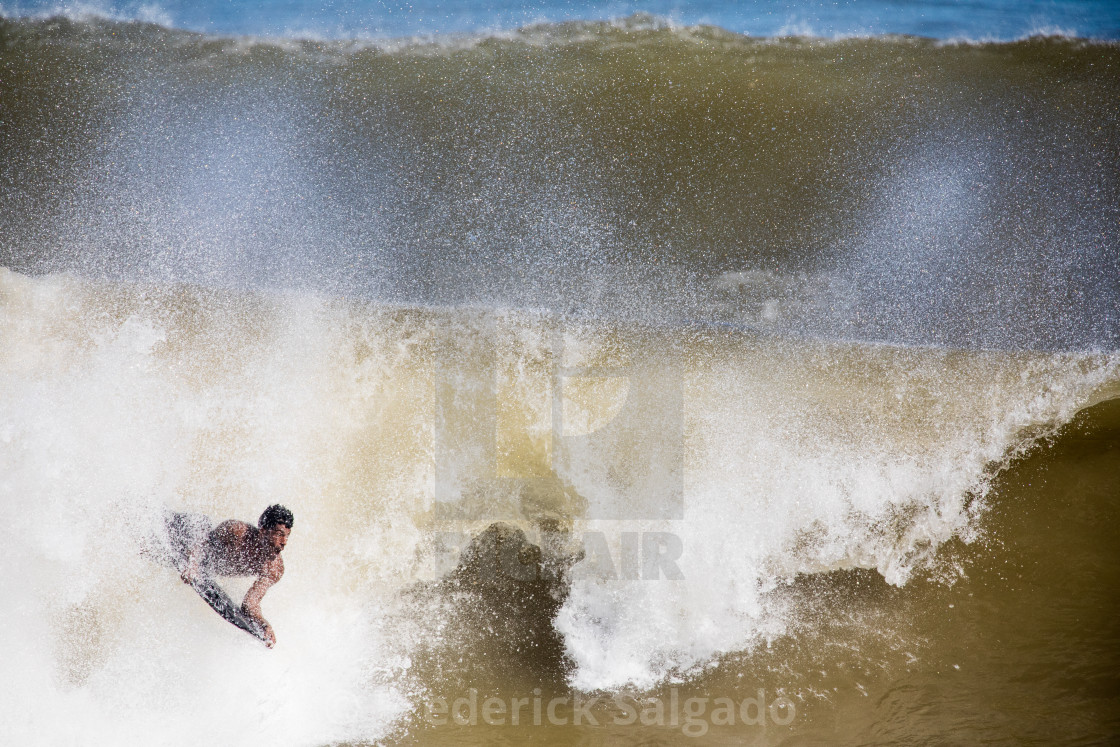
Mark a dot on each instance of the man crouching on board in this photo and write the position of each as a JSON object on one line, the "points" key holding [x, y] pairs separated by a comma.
{"points": [[234, 548]]}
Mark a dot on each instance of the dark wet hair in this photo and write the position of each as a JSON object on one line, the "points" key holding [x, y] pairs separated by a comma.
{"points": [[276, 515]]}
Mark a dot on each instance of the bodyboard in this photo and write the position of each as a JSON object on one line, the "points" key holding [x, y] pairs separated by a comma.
{"points": [[224, 606]]}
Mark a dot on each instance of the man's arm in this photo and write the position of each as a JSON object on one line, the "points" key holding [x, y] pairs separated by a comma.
{"points": [[251, 605]]}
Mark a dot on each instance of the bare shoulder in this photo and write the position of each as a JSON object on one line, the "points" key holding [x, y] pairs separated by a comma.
{"points": [[275, 569], [232, 529]]}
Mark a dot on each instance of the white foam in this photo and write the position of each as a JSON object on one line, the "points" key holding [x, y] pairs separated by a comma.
{"points": [[106, 423], [118, 402], [846, 457]]}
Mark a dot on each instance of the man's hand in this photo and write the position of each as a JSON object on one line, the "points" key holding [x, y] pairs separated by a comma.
{"points": [[269, 636], [251, 605], [194, 562]]}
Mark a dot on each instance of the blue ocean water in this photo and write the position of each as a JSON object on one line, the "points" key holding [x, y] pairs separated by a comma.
{"points": [[940, 19]]}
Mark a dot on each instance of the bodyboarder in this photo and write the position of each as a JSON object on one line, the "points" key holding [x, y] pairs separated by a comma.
{"points": [[233, 548]]}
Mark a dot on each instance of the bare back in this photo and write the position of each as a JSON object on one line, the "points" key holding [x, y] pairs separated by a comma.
{"points": [[234, 548]]}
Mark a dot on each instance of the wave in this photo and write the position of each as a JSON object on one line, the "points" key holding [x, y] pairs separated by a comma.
{"points": [[696, 322], [396, 434], [894, 190]]}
